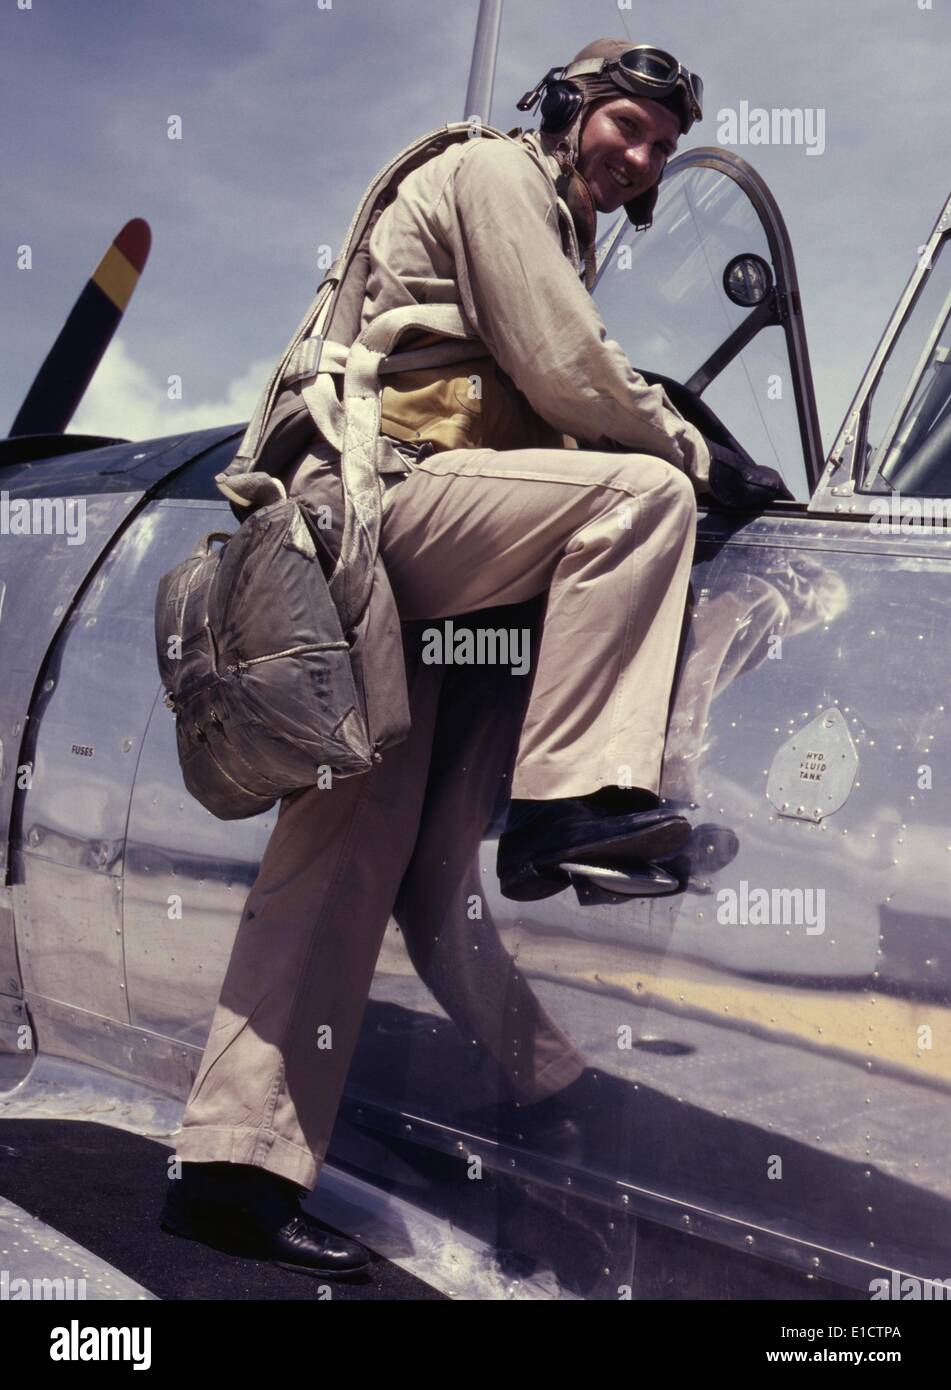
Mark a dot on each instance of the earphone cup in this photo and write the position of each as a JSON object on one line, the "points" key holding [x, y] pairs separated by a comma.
{"points": [[559, 106]]}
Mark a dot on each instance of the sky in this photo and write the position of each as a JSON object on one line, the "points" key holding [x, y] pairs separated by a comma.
{"points": [[289, 107]]}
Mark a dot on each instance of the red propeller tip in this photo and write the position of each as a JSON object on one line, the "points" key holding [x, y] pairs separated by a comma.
{"points": [[135, 242]]}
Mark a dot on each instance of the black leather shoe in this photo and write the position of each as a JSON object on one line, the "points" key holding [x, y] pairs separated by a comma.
{"points": [[708, 849], [553, 1126], [545, 1127], [539, 835], [245, 1210]]}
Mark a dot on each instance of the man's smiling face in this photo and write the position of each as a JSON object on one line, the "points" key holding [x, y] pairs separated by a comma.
{"points": [[629, 139]]}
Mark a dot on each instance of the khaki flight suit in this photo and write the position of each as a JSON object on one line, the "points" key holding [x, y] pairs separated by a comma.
{"points": [[501, 513]]}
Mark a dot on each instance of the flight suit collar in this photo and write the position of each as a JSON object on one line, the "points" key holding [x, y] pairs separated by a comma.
{"points": [[553, 156]]}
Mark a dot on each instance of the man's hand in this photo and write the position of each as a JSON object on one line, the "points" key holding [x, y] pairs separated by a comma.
{"points": [[738, 482]]}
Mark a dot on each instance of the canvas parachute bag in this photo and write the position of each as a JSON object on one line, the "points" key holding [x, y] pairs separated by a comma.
{"points": [[280, 652]]}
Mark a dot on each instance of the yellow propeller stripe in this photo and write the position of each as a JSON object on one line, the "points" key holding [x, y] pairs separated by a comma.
{"points": [[116, 277]]}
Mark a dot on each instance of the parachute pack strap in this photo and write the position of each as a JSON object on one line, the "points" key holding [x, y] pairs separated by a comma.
{"points": [[352, 578], [320, 397], [254, 489], [434, 355], [569, 232], [321, 308], [203, 547], [441, 354], [247, 450], [438, 138], [304, 360], [382, 335]]}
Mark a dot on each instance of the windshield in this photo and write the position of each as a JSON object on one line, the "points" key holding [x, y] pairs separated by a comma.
{"points": [[907, 421], [662, 297]]}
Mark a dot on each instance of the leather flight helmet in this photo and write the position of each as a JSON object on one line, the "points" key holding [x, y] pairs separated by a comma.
{"points": [[566, 104]]}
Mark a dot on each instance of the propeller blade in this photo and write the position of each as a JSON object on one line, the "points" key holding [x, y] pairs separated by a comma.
{"points": [[59, 385]]}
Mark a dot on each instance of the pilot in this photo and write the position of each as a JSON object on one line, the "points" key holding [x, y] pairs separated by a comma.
{"points": [[548, 466]]}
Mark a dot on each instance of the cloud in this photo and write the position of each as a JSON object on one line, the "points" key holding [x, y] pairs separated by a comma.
{"points": [[123, 399]]}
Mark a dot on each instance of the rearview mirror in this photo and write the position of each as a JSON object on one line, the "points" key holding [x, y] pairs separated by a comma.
{"points": [[747, 280]]}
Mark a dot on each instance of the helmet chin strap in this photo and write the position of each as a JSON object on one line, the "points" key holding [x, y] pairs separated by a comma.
{"points": [[573, 188]]}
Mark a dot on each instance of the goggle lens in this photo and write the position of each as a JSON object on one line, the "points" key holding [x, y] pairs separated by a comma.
{"points": [[655, 65], [652, 64]]}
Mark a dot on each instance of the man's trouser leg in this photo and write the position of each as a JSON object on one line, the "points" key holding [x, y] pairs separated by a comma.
{"points": [[272, 1075], [726, 637], [611, 537], [442, 907]]}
